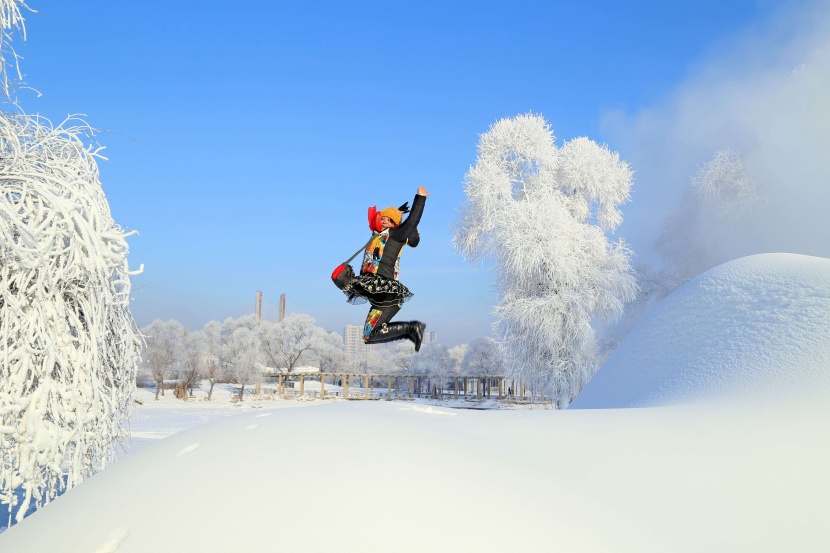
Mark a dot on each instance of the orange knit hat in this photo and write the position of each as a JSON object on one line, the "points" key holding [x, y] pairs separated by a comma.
{"points": [[393, 213]]}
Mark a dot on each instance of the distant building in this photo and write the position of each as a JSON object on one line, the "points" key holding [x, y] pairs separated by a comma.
{"points": [[353, 339], [430, 337], [353, 342]]}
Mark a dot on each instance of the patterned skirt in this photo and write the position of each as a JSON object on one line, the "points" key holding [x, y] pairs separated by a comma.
{"points": [[377, 290]]}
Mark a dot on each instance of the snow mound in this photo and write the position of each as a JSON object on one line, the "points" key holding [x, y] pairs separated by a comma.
{"points": [[393, 476], [755, 328]]}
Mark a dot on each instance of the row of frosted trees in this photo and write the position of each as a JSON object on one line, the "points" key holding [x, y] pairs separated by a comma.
{"points": [[241, 350]]}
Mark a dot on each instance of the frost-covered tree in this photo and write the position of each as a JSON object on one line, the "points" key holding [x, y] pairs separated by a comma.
{"points": [[434, 359], [482, 357], [11, 22], [69, 349], [158, 352], [540, 214], [402, 353], [721, 186], [457, 353], [192, 355], [177, 333], [290, 342], [244, 353], [213, 367], [719, 198], [329, 353], [371, 362]]}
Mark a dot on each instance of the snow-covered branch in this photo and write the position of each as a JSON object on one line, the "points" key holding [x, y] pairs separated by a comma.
{"points": [[68, 344], [11, 22]]}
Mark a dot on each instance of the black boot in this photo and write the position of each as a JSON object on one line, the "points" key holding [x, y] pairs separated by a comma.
{"points": [[389, 332], [417, 333]]}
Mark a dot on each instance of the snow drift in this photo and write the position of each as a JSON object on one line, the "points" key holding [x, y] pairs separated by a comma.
{"points": [[757, 327], [405, 477]]}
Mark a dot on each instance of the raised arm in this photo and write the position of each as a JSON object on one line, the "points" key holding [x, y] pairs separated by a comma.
{"points": [[408, 227]]}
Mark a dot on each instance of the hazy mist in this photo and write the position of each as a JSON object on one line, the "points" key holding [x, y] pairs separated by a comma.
{"points": [[766, 96]]}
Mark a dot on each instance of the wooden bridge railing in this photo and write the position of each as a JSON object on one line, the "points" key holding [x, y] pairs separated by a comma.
{"points": [[483, 384]]}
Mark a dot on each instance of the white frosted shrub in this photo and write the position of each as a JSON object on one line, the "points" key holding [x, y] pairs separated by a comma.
{"points": [[69, 347]]}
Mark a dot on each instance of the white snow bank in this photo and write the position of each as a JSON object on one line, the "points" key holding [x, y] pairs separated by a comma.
{"points": [[396, 476], [756, 328]]}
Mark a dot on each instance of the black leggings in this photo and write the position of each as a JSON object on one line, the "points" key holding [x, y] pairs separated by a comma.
{"points": [[377, 317]]}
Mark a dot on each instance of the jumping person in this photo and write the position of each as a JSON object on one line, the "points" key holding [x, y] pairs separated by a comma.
{"points": [[378, 280]]}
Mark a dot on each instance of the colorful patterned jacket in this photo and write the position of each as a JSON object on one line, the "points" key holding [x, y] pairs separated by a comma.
{"points": [[383, 254]]}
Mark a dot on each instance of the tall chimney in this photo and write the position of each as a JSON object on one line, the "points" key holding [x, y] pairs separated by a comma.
{"points": [[258, 305]]}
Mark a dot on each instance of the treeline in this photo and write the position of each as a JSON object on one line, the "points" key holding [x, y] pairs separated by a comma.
{"points": [[241, 350]]}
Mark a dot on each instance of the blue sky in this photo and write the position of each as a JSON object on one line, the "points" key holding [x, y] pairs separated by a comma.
{"points": [[246, 140]]}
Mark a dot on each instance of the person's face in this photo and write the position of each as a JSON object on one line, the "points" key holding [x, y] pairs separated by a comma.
{"points": [[386, 222]]}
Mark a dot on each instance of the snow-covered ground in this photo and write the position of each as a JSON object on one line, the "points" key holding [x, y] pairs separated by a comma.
{"points": [[690, 476], [154, 420]]}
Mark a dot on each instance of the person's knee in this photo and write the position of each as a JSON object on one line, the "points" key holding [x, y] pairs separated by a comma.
{"points": [[371, 322]]}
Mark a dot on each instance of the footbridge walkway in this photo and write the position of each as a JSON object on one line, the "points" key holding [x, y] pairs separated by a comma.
{"points": [[397, 386]]}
